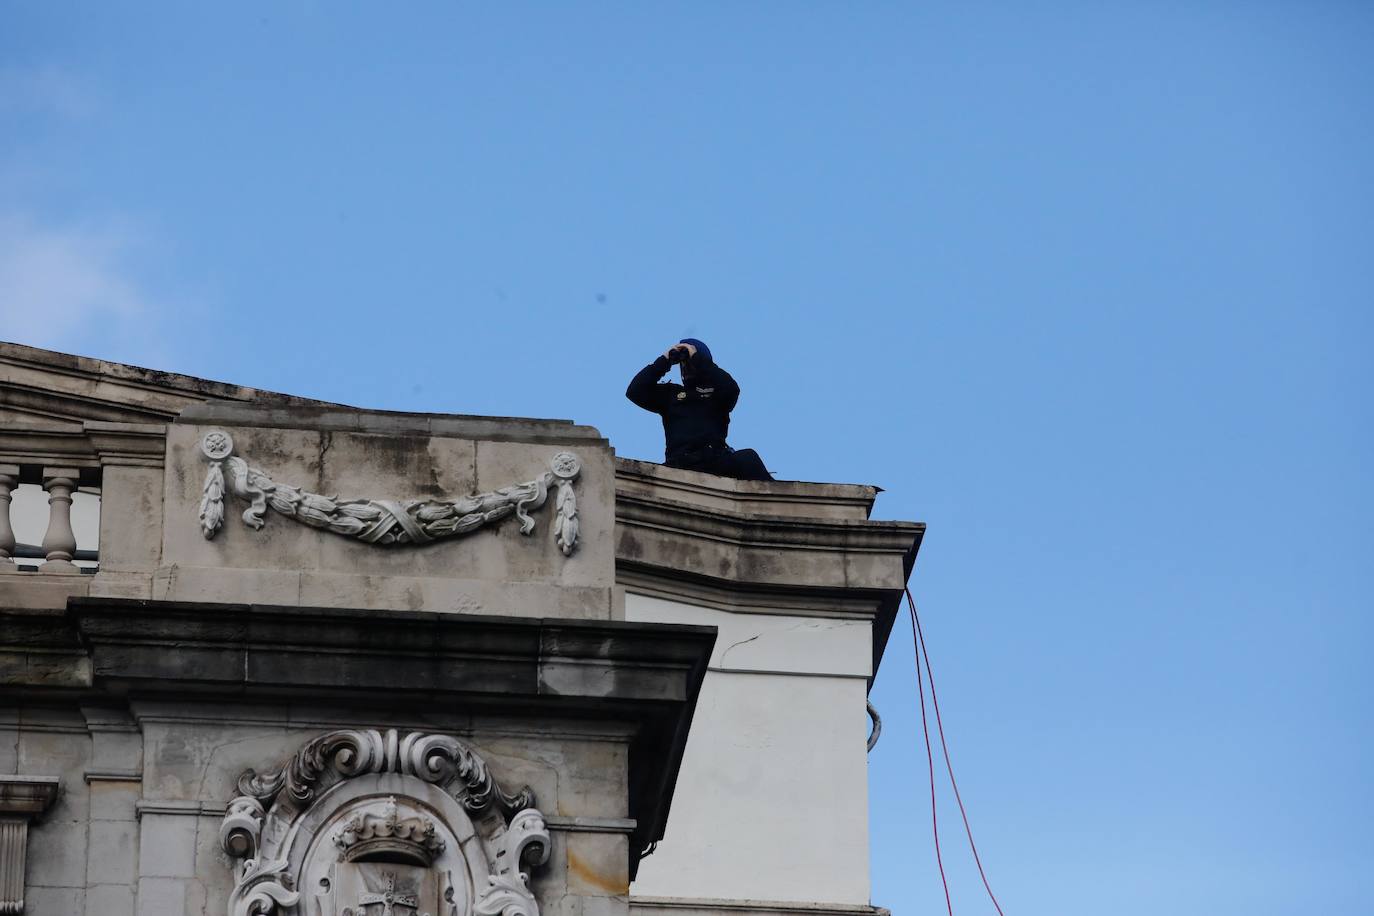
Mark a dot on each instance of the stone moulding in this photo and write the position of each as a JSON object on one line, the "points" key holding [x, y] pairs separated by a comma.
{"points": [[22, 798], [384, 521], [361, 816]]}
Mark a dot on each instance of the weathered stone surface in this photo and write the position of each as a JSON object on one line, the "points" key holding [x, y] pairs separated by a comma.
{"points": [[214, 878], [44, 900], [161, 896], [115, 849], [39, 649], [57, 850], [201, 761], [53, 744], [114, 799], [110, 899], [9, 740], [167, 845], [131, 518], [41, 591], [597, 865]]}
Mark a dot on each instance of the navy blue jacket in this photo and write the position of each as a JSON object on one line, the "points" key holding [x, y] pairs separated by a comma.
{"points": [[695, 417]]}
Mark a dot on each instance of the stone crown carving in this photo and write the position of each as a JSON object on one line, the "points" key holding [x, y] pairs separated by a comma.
{"points": [[366, 834], [385, 522]]}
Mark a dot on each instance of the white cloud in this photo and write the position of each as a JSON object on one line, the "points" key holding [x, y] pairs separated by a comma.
{"points": [[61, 285]]}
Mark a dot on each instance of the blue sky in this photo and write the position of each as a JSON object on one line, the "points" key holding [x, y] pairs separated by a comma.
{"points": [[1085, 286]]}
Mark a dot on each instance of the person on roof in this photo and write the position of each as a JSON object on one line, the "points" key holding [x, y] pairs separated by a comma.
{"points": [[696, 414]]}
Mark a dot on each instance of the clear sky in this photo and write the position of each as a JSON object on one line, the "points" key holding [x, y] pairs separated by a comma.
{"points": [[1085, 286]]}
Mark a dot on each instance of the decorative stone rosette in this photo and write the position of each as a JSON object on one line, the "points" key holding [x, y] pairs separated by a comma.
{"points": [[416, 825], [384, 521]]}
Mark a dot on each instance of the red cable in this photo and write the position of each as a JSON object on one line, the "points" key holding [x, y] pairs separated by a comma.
{"points": [[930, 758], [921, 639]]}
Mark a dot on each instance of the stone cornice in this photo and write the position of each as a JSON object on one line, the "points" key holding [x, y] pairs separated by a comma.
{"points": [[767, 533], [27, 796], [45, 383], [92, 444], [791, 498], [646, 676], [741, 546], [699, 906], [331, 418]]}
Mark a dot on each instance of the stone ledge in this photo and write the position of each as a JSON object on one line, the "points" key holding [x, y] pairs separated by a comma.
{"points": [[590, 824], [178, 807], [27, 796], [771, 531], [90, 445], [254, 649], [113, 776], [702, 553], [645, 677], [389, 422], [88, 367], [790, 498], [704, 906], [40, 591]]}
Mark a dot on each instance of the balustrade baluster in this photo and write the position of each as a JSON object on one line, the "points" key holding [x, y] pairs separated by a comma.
{"points": [[9, 479], [59, 543]]}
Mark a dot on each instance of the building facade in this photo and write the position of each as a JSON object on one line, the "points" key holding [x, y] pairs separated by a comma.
{"points": [[300, 658]]}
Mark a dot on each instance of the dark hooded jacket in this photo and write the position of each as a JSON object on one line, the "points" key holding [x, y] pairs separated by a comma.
{"points": [[696, 418]]}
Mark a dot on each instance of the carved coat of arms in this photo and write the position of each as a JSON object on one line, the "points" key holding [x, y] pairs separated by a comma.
{"points": [[369, 823]]}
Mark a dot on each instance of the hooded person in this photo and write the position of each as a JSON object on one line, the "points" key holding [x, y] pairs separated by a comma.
{"points": [[695, 414]]}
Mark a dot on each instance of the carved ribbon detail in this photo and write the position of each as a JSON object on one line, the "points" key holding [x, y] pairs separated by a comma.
{"points": [[384, 521]]}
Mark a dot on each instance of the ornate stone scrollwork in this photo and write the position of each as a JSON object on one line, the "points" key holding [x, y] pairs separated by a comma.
{"points": [[384, 521], [360, 819], [261, 889], [507, 895], [241, 829], [526, 843], [439, 759]]}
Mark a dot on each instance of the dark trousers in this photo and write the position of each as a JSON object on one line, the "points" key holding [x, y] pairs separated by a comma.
{"points": [[744, 464]]}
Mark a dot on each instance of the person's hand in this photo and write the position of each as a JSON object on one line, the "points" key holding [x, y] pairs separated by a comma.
{"points": [[691, 350]]}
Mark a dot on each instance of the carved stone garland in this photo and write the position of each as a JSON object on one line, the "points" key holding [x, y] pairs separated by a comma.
{"points": [[383, 521], [327, 819]]}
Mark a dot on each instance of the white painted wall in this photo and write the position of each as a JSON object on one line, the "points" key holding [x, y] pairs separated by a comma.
{"points": [[772, 799]]}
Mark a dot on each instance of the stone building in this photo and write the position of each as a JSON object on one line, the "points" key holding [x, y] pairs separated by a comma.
{"points": [[317, 660]]}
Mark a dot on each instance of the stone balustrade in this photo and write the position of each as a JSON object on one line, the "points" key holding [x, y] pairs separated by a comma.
{"points": [[9, 479], [91, 458], [59, 544]]}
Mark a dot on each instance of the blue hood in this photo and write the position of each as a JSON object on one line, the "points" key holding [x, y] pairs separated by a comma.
{"points": [[701, 347]]}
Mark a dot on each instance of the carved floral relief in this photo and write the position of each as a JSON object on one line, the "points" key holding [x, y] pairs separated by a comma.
{"points": [[384, 521]]}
